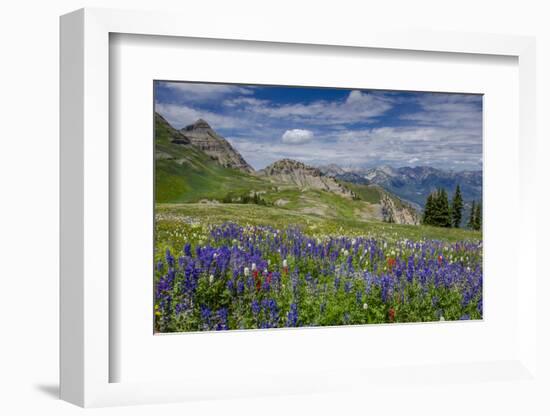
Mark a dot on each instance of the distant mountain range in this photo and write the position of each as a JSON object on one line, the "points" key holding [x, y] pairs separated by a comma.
{"points": [[413, 184]]}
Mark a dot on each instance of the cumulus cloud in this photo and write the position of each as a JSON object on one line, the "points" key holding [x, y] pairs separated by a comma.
{"points": [[297, 136]]}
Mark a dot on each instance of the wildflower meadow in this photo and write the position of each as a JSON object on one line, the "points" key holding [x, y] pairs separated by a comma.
{"points": [[228, 276]]}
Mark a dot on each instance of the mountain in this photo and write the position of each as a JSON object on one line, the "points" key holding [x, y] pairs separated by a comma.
{"points": [[173, 135], [414, 184], [185, 173], [202, 136], [332, 169], [292, 172], [196, 165], [381, 203]]}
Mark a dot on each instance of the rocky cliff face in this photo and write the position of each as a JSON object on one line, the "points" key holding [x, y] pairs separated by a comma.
{"points": [[398, 213], [202, 136], [303, 176]]}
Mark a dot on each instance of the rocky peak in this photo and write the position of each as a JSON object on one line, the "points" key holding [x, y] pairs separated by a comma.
{"points": [[293, 172], [201, 135], [289, 166], [332, 169], [397, 212], [200, 124]]}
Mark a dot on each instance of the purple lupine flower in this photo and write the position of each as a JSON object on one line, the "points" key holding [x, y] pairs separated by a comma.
{"points": [[222, 319], [292, 317]]}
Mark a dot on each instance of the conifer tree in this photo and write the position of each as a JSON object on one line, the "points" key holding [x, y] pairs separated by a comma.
{"points": [[457, 207], [477, 217], [442, 214], [472, 219], [428, 210]]}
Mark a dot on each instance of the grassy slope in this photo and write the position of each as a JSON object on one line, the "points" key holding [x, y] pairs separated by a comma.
{"points": [[170, 216], [372, 194]]}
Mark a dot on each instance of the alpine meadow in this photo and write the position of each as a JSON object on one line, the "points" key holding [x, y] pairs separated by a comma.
{"points": [[279, 206]]}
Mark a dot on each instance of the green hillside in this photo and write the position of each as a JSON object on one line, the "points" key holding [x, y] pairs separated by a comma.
{"points": [[184, 173]]}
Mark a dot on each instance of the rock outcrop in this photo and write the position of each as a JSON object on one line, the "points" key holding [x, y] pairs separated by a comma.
{"points": [[398, 213], [296, 173], [202, 136]]}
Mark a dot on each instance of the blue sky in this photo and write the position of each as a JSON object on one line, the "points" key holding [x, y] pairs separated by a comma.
{"points": [[349, 127]]}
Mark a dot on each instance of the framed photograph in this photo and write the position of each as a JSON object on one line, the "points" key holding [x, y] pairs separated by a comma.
{"points": [[318, 214]]}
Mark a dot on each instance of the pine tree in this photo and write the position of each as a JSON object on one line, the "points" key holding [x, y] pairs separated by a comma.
{"points": [[472, 219], [457, 207], [428, 210], [478, 217], [442, 214]]}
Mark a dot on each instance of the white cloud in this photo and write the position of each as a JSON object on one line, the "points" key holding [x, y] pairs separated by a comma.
{"points": [[297, 136], [358, 107], [244, 101], [180, 116], [459, 112], [205, 92]]}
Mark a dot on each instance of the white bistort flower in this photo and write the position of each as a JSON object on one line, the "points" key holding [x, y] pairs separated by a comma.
{"points": [[365, 306], [246, 271], [211, 279], [253, 266], [285, 263]]}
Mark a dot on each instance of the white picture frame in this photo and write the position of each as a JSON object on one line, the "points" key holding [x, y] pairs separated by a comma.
{"points": [[85, 352]]}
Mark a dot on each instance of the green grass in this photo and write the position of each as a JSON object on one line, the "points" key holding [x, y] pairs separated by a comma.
{"points": [[173, 222], [368, 193]]}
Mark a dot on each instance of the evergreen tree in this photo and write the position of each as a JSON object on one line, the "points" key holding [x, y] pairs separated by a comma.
{"points": [[436, 211], [472, 219], [442, 214], [478, 217], [457, 207], [428, 210]]}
